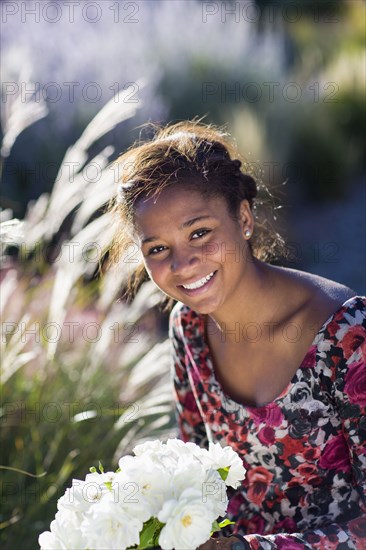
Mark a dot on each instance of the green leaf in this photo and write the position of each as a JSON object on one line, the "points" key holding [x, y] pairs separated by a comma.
{"points": [[158, 529], [226, 522], [149, 536], [224, 472], [215, 527], [101, 469], [92, 469]]}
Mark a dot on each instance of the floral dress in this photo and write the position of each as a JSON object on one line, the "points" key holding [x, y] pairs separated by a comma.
{"points": [[305, 452]]}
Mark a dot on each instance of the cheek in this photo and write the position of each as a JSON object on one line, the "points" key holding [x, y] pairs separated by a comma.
{"points": [[155, 271], [225, 252]]}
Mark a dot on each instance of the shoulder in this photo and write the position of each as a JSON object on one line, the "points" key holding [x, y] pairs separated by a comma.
{"points": [[330, 290], [337, 303], [315, 297], [339, 306], [320, 286], [316, 303]]}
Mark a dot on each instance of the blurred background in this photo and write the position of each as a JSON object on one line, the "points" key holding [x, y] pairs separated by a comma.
{"points": [[85, 373]]}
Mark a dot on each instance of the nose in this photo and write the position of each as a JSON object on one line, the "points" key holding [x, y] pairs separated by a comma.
{"points": [[184, 261]]}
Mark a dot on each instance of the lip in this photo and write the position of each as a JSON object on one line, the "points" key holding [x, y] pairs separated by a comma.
{"points": [[201, 289]]}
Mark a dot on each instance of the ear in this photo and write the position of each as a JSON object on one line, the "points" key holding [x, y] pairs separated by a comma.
{"points": [[246, 219]]}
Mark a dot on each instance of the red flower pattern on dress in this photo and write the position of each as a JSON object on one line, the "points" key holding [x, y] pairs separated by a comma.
{"points": [[291, 447], [287, 525], [357, 527], [255, 525], [333, 328], [271, 416], [354, 338], [309, 359], [356, 383], [190, 402], [287, 543], [304, 453], [258, 479], [336, 455], [267, 435], [311, 454], [308, 473]]}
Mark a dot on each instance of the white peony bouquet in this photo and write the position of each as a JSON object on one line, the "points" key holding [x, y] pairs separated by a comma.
{"points": [[169, 495]]}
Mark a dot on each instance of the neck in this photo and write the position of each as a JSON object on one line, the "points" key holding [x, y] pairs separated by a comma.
{"points": [[251, 308]]}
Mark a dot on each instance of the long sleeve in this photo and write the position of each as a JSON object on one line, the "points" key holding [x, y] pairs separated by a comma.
{"points": [[344, 452], [189, 418]]}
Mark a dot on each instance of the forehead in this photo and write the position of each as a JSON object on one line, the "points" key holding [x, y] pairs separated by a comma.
{"points": [[175, 205], [174, 201]]}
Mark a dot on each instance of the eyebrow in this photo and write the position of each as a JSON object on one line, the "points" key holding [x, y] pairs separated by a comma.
{"points": [[188, 223]]}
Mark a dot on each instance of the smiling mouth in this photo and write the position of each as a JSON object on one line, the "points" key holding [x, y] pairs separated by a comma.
{"points": [[200, 283]]}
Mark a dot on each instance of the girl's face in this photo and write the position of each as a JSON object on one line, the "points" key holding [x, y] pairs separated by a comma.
{"points": [[192, 249]]}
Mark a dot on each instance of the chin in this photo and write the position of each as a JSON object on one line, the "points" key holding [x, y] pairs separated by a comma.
{"points": [[203, 309]]}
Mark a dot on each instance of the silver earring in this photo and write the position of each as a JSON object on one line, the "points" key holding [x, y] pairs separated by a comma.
{"points": [[247, 233]]}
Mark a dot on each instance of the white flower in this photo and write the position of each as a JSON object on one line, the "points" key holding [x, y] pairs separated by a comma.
{"points": [[148, 447], [169, 453], [225, 457], [214, 493], [110, 526], [82, 494], [141, 492], [208, 481], [176, 482], [188, 522], [126, 462], [65, 533], [106, 477], [151, 478], [183, 449], [49, 541], [186, 453], [188, 475], [156, 454]]}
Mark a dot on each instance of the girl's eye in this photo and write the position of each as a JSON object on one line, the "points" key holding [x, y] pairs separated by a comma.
{"points": [[200, 233], [155, 250]]}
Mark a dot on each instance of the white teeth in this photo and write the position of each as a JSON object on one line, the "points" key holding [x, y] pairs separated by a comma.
{"points": [[199, 283]]}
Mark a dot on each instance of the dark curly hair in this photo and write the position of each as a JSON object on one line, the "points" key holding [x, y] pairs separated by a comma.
{"points": [[196, 155]]}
